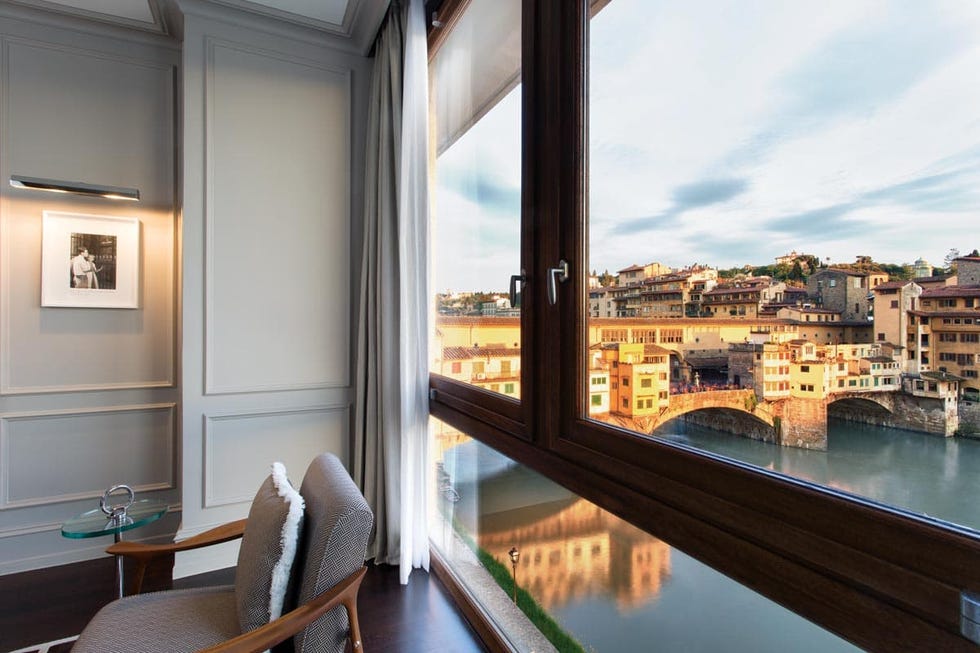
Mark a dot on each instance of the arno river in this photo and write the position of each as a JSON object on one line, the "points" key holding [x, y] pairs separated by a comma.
{"points": [[616, 588]]}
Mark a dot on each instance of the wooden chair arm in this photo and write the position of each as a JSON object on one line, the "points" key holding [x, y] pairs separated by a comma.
{"points": [[265, 637], [144, 554], [217, 535]]}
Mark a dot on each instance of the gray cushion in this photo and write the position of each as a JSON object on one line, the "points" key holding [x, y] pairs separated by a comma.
{"points": [[338, 525], [177, 621], [267, 551]]}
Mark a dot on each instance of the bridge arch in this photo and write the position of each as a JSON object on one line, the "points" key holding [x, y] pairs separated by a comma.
{"points": [[877, 403]]}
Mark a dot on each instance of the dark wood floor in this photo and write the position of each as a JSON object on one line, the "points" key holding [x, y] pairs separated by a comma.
{"points": [[51, 604]]}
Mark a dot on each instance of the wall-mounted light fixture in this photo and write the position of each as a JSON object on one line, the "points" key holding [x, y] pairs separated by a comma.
{"points": [[77, 187]]}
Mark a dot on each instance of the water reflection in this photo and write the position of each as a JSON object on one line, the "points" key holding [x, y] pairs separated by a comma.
{"points": [[572, 552], [611, 585]]}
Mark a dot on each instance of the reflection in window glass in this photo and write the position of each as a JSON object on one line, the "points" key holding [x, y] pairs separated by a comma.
{"points": [[476, 197], [782, 201], [591, 581]]}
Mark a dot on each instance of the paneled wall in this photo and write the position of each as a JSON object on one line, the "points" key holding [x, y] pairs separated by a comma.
{"points": [[89, 397], [245, 139], [272, 146]]}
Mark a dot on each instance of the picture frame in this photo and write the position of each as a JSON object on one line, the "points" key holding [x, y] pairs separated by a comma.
{"points": [[90, 261]]}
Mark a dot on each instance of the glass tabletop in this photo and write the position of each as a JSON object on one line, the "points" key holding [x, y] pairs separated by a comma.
{"points": [[95, 522]]}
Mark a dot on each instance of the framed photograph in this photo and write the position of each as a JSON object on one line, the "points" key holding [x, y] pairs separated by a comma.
{"points": [[90, 261]]}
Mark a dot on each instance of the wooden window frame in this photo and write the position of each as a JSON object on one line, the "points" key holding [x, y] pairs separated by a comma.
{"points": [[878, 577]]}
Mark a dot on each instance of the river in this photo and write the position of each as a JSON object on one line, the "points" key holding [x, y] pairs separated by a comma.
{"points": [[616, 588]]}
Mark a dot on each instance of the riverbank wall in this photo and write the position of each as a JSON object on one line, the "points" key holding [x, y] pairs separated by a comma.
{"points": [[924, 414], [969, 412]]}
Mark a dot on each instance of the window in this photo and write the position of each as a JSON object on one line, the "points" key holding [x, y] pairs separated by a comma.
{"points": [[894, 303], [804, 368], [667, 204], [596, 400], [970, 337]]}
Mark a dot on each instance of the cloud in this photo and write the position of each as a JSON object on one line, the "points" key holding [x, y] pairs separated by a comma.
{"points": [[871, 64], [486, 190], [707, 192], [950, 191], [695, 195]]}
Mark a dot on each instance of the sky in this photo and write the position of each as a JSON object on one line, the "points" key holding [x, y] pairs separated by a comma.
{"points": [[729, 133]]}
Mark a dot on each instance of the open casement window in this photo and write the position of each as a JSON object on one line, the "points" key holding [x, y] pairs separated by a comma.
{"points": [[475, 190], [765, 410]]}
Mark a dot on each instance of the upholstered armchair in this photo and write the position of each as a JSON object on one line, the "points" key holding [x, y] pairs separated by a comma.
{"points": [[316, 595]]}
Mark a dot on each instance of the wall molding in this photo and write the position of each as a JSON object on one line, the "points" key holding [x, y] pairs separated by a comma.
{"points": [[26, 416], [7, 388], [212, 45], [210, 500]]}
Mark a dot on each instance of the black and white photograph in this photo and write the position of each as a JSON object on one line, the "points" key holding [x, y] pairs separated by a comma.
{"points": [[94, 264], [90, 261]]}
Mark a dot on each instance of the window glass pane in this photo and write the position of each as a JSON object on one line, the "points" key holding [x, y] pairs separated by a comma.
{"points": [[476, 197], [782, 198], [588, 580]]}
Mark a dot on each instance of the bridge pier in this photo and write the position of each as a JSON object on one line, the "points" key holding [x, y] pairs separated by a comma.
{"points": [[801, 423]]}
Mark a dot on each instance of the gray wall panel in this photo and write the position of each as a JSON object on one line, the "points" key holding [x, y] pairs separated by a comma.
{"points": [[277, 222], [61, 456]]}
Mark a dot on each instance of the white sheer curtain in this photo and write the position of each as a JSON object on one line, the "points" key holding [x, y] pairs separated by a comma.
{"points": [[413, 250], [391, 407]]}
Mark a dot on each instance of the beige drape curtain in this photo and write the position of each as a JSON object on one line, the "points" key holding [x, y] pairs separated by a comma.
{"points": [[377, 429]]}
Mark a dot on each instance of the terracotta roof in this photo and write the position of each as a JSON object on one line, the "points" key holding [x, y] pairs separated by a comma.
{"points": [[467, 353], [632, 268], [941, 376], [892, 285], [960, 313], [822, 311], [975, 259], [477, 320], [853, 273], [951, 291]]}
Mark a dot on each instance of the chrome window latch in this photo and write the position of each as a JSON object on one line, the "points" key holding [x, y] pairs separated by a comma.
{"points": [[561, 273], [970, 616]]}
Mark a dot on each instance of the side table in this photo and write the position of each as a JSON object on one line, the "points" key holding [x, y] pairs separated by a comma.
{"points": [[96, 523]]}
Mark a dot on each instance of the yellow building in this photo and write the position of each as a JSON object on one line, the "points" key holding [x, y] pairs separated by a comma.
{"points": [[640, 378]]}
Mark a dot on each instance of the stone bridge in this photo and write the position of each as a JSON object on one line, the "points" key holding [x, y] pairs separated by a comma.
{"points": [[791, 422]]}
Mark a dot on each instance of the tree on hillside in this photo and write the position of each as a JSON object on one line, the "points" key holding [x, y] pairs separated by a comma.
{"points": [[949, 261], [606, 279]]}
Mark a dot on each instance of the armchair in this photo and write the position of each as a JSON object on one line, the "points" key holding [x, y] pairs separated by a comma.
{"points": [[323, 584]]}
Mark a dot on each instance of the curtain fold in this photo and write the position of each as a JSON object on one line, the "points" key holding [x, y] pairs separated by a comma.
{"points": [[413, 241], [389, 460]]}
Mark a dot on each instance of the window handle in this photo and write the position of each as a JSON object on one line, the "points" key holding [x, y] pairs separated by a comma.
{"points": [[514, 278], [561, 273]]}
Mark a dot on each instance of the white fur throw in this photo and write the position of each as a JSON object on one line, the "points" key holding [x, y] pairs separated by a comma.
{"points": [[288, 539]]}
